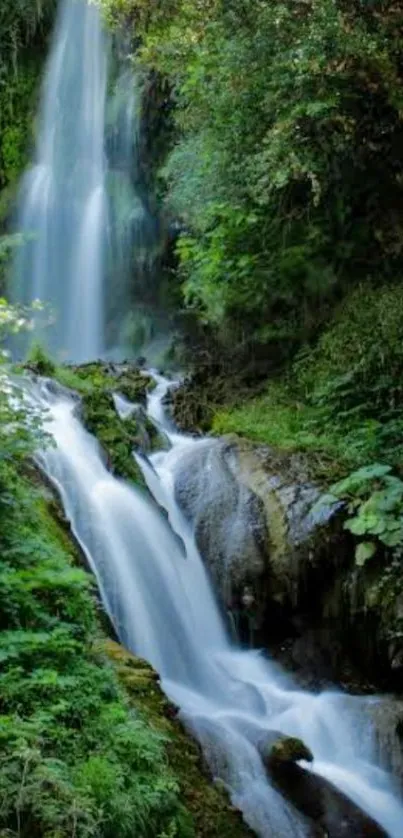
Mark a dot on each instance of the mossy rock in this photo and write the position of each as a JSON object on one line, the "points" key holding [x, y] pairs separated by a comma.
{"points": [[287, 749], [116, 436], [213, 814], [127, 379], [96, 383]]}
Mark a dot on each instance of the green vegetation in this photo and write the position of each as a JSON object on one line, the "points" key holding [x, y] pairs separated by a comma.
{"points": [[96, 384], [21, 22], [24, 25], [375, 502], [285, 168], [344, 396], [74, 758]]}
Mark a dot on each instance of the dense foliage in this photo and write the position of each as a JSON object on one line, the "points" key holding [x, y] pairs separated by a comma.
{"points": [[24, 27], [286, 170], [20, 22], [342, 398]]}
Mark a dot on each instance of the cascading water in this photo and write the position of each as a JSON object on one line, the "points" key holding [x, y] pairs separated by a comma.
{"points": [[63, 208], [133, 232], [156, 591]]}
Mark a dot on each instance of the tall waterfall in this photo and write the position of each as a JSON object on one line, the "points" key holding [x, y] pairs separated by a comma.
{"points": [[63, 208], [157, 593], [88, 235]]}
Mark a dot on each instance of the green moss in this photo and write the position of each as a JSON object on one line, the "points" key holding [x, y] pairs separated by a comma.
{"points": [[129, 381], [96, 383], [289, 749], [118, 437], [213, 815]]}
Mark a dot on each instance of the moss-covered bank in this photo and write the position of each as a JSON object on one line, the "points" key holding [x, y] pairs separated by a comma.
{"points": [[213, 815]]}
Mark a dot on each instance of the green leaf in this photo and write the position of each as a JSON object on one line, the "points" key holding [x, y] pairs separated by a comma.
{"points": [[358, 526], [364, 551]]}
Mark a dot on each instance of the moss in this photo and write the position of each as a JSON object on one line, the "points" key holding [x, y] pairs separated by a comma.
{"points": [[117, 436], [125, 379], [96, 383], [290, 749], [213, 814]]}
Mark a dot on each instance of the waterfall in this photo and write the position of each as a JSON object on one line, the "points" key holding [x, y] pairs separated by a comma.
{"points": [[88, 233], [62, 206], [134, 236], [156, 591]]}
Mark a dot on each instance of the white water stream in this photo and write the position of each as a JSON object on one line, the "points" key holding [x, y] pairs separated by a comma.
{"points": [[157, 593], [63, 206]]}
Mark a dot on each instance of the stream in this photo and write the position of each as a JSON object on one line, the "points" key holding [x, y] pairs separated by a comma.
{"points": [[158, 595]]}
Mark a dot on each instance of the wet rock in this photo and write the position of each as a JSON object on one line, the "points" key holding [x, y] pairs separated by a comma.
{"points": [[280, 749], [255, 529], [229, 524], [284, 568], [320, 801], [386, 715]]}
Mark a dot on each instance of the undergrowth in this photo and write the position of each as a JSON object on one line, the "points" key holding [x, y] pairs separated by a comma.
{"points": [[342, 398], [74, 758]]}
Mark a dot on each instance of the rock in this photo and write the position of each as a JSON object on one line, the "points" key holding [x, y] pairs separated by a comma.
{"points": [[320, 801], [284, 568], [315, 797], [229, 525], [255, 530], [387, 718], [279, 748]]}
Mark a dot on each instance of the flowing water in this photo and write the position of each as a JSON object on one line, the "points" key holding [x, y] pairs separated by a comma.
{"points": [[89, 238], [63, 207], [133, 232], [157, 593]]}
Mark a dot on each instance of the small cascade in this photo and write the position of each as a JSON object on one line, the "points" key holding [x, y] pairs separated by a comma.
{"points": [[63, 206], [159, 597]]}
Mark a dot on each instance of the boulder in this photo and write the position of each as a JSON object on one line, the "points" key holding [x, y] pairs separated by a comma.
{"points": [[332, 812], [253, 522], [278, 748], [320, 801], [284, 567], [229, 525]]}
